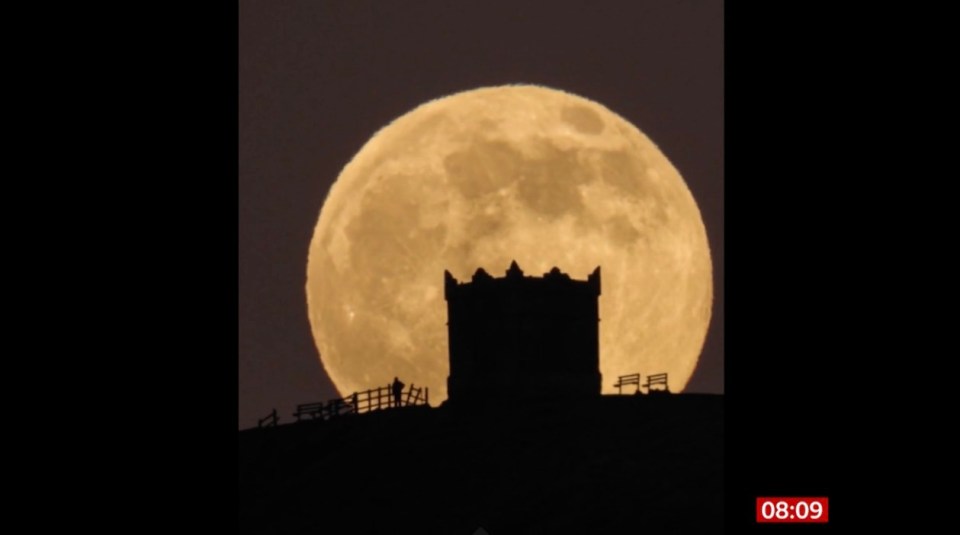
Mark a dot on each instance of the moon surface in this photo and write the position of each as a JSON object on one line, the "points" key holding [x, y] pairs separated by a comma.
{"points": [[483, 177]]}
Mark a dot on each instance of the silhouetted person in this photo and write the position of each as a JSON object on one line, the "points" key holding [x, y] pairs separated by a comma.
{"points": [[397, 391]]}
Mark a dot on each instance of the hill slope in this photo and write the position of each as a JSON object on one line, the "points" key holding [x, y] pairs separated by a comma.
{"points": [[640, 463]]}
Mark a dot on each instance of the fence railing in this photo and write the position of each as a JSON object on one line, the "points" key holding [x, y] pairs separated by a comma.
{"points": [[627, 380], [269, 421], [382, 397], [656, 383], [374, 399]]}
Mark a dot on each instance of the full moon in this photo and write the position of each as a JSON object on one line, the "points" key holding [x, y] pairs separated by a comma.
{"points": [[487, 176]]}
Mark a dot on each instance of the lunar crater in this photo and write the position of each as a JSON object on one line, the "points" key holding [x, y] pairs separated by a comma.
{"points": [[583, 119]]}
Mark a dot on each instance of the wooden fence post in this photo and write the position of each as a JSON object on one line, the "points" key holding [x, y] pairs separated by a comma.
{"points": [[409, 393], [269, 421]]}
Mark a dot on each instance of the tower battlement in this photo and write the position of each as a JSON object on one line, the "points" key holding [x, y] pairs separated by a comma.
{"points": [[519, 336]]}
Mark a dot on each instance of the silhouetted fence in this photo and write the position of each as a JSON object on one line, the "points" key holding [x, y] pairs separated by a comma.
{"points": [[313, 410], [625, 380], [360, 402], [269, 421], [656, 383], [660, 381]]}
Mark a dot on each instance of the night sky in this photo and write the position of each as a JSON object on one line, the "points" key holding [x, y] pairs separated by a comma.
{"points": [[318, 79]]}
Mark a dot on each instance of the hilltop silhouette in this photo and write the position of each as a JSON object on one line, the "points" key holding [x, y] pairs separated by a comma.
{"points": [[647, 464], [525, 442]]}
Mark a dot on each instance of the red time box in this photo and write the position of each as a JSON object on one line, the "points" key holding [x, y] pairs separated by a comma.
{"points": [[792, 509]]}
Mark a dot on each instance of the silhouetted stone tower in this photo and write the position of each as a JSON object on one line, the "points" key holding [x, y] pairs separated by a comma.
{"points": [[518, 336]]}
